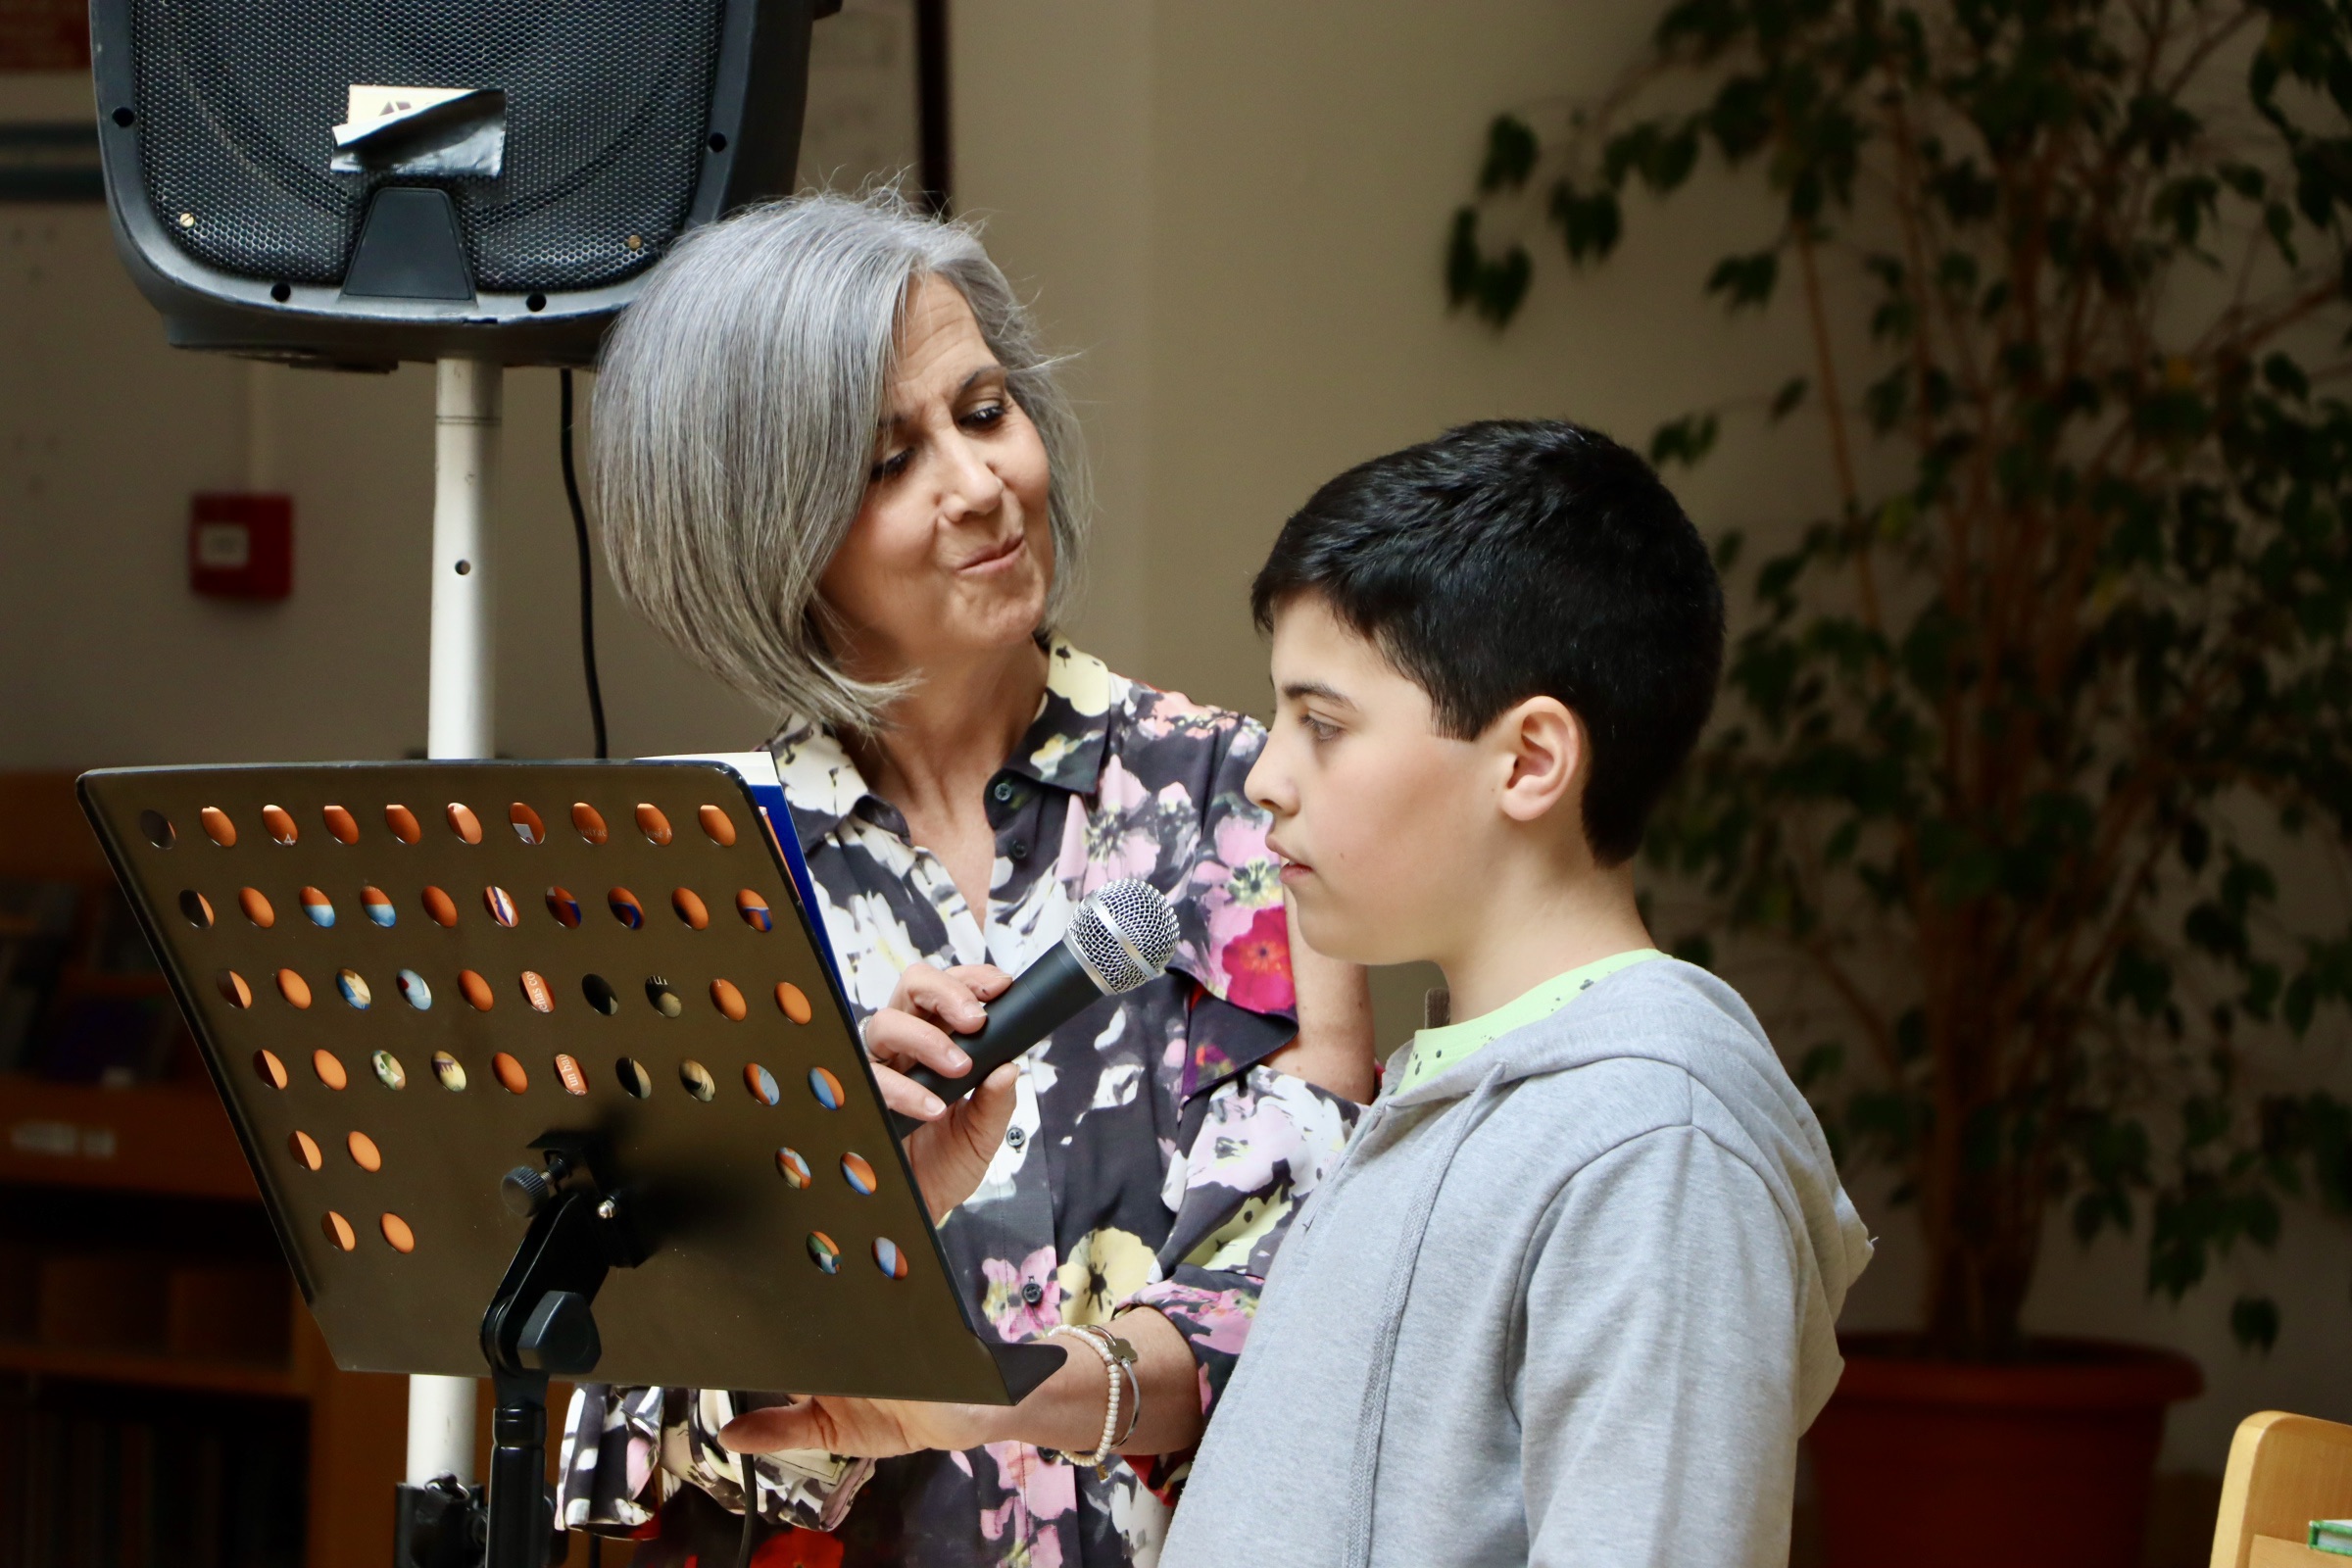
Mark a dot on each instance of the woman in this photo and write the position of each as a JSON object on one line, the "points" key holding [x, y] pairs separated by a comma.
{"points": [[831, 465]]}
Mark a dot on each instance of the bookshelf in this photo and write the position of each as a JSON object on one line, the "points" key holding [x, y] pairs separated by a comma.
{"points": [[147, 1174], [143, 1184], [172, 1142], [137, 1195], [150, 1369], [144, 1138]]}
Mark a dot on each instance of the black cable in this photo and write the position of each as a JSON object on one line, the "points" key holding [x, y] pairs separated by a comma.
{"points": [[579, 531], [751, 1512]]}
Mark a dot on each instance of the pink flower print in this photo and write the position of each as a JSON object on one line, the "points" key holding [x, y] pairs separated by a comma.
{"points": [[1258, 965], [1069, 862], [1229, 917], [1041, 1549], [1119, 790], [1008, 1304], [1252, 1137], [1226, 918], [1047, 1490], [640, 1463], [1040, 1491], [1135, 854], [1163, 714], [1240, 839], [1117, 846], [1214, 1320], [1122, 831], [1119, 851]]}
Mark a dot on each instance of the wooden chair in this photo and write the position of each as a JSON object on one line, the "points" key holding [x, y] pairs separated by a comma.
{"points": [[2284, 1471]]}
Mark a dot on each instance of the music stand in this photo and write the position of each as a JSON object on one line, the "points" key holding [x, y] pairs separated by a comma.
{"points": [[539, 1068]]}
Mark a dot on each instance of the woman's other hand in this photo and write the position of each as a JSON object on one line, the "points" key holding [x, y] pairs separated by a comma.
{"points": [[952, 1150], [879, 1429], [1065, 1411], [1335, 1047]]}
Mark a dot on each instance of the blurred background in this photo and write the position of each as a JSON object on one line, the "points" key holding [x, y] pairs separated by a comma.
{"points": [[1233, 219]]}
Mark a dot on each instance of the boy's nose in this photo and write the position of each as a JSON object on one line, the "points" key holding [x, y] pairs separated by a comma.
{"points": [[1262, 786]]}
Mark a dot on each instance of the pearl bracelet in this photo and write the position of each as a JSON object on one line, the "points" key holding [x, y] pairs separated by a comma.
{"points": [[1119, 1357]]}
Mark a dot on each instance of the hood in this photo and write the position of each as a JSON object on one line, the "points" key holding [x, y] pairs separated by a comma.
{"points": [[1673, 1013]]}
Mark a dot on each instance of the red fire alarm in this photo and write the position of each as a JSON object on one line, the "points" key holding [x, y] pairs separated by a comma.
{"points": [[241, 546]]}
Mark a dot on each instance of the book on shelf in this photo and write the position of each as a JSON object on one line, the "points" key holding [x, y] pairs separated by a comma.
{"points": [[83, 998], [37, 920], [93, 1477]]}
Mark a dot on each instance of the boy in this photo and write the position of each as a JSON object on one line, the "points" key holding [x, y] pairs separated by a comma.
{"points": [[1570, 1297]]}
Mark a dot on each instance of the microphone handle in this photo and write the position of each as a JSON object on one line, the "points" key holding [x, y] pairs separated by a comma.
{"points": [[1049, 993]]}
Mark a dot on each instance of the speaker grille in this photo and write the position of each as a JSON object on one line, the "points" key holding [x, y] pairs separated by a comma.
{"points": [[607, 104]]}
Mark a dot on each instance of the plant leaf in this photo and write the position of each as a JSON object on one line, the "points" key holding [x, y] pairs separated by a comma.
{"points": [[2254, 1323], [1511, 153]]}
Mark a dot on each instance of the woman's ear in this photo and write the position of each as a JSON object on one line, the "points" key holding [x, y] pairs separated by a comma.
{"points": [[1549, 757]]}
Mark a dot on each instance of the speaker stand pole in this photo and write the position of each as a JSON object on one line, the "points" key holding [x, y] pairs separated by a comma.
{"points": [[466, 438], [467, 417]]}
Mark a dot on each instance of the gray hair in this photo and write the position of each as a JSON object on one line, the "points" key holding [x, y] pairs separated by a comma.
{"points": [[736, 410]]}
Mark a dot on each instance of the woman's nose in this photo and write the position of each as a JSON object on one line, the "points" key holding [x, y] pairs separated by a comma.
{"points": [[972, 488]]}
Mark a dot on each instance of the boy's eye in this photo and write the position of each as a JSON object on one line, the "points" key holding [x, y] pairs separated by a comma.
{"points": [[1321, 729]]}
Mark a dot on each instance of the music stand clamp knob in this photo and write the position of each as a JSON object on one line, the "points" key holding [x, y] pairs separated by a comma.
{"points": [[559, 1336], [524, 1190]]}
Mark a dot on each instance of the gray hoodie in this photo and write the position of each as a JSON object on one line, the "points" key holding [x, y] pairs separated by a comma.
{"points": [[1570, 1302]]}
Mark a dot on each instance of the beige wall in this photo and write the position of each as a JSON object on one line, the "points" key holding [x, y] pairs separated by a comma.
{"points": [[1234, 213], [1231, 213], [106, 657]]}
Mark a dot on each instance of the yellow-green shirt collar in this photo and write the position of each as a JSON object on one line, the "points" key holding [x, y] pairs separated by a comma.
{"points": [[1436, 1049]]}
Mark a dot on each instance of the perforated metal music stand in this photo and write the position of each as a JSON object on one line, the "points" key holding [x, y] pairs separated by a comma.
{"points": [[539, 1069]]}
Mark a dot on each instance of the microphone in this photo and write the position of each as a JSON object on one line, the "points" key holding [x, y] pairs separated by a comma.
{"points": [[1122, 935]]}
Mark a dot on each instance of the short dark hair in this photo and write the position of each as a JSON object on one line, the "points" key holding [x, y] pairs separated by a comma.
{"points": [[1522, 557]]}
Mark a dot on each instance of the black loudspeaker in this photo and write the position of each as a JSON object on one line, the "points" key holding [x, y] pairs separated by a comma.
{"points": [[359, 182]]}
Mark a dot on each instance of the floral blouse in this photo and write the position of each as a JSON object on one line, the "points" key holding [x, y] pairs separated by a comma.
{"points": [[1152, 1158]]}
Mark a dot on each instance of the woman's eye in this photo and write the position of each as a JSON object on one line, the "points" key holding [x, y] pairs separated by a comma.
{"points": [[985, 415], [892, 467]]}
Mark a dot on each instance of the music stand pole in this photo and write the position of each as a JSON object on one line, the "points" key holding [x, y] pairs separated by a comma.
{"points": [[466, 423]]}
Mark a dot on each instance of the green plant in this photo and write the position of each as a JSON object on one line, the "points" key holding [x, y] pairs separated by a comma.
{"points": [[2014, 736]]}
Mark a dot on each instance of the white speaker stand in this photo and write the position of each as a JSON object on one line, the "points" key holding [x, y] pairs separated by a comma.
{"points": [[458, 724]]}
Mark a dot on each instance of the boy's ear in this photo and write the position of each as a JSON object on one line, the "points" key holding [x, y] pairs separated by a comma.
{"points": [[1549, 757]]}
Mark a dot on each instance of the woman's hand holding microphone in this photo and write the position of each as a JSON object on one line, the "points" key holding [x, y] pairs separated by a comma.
{"points": [[953, 1148]]}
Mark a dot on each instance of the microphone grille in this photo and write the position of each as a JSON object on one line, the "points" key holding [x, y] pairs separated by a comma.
{"points": [[1125, 932]]}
